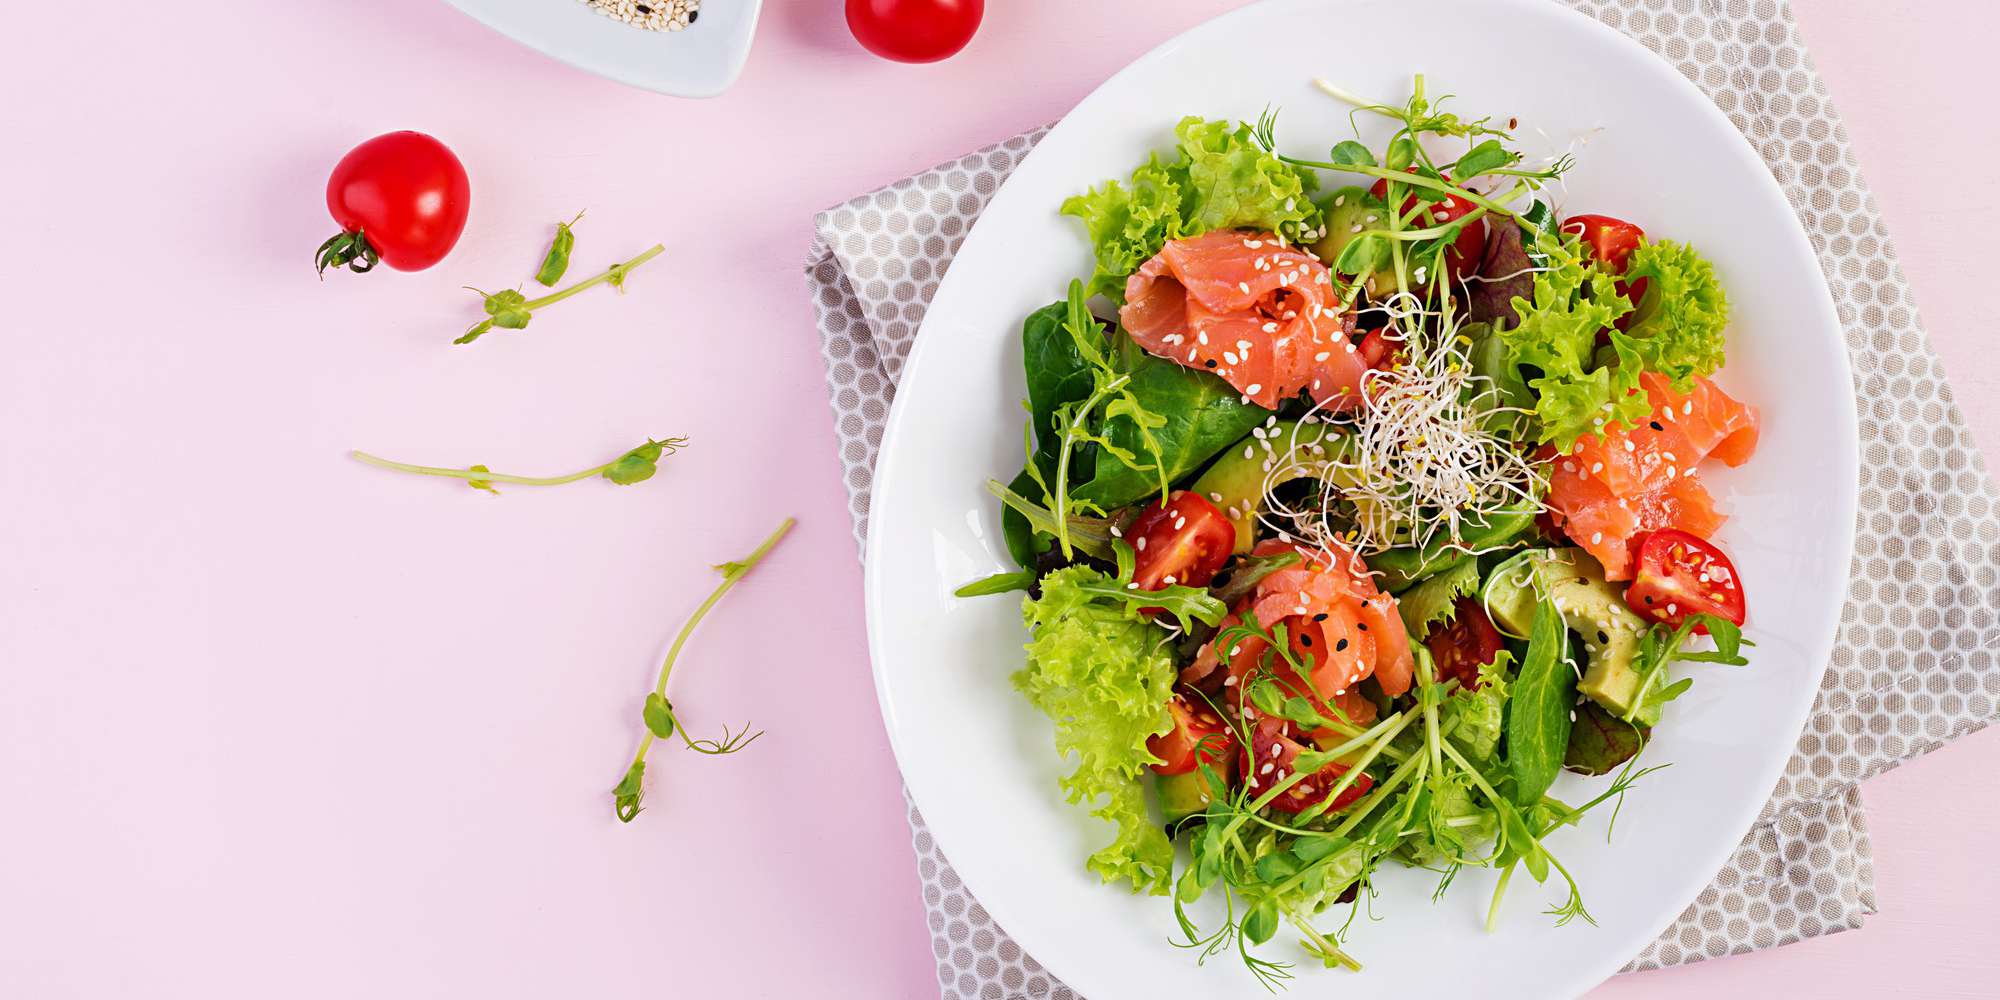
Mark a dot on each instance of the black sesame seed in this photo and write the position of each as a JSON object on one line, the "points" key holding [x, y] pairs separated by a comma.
{"points": [[1210, 362], [1656, 426], [1340, 647], [1603, 639], [1308, 640], [693, 15], [1362, 625], [1320, 617]]}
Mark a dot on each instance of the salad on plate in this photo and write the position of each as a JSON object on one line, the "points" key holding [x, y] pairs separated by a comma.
{"points": [[1363, 496]]}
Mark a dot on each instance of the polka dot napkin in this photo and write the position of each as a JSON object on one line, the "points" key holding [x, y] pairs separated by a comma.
{"points": [[1914, 663]]}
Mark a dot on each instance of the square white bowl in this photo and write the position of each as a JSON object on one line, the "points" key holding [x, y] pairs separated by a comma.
{"points": [[701, 61]]}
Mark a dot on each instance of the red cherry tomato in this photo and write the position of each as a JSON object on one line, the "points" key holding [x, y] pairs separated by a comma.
{"points": [[1199, 736], [1611, 242], [1185, 541], [1377, 349], [1464, 643], [914, 31], [1680, 575], [400, 198], [1465, 253], [1272, 758]]}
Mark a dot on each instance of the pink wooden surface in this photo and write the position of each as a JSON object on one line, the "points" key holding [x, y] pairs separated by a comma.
{"points": [[277, 724]]}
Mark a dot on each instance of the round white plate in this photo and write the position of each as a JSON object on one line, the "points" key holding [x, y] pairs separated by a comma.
{"points": [[980, 762], [700, 61]]}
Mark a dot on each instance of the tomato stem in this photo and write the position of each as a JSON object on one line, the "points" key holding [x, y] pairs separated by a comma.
{"points": [[349, 250]]}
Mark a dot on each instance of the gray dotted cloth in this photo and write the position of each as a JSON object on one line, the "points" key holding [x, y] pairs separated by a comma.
{"points": [[1913, 666]]}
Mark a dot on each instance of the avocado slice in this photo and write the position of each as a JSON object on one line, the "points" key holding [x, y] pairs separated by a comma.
{"points": [[1351, 212], [1237, 481], [1182, 795], [1590, 606]]}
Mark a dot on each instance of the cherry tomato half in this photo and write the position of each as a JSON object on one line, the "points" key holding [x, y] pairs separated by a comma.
{"points": [[1185, 541], [1199, 736], [1680, 575], [1272, 758], [1464, 643], [914, 31], [401, 198], [1610, 242], [1467, 250]]}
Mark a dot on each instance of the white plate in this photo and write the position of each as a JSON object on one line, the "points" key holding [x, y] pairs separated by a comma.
{"points": [[701, 61], [979, 761]]}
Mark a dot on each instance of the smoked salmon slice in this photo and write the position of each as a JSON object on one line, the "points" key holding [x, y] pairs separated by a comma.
{"points": [[1612, 488], [1258, 314]]}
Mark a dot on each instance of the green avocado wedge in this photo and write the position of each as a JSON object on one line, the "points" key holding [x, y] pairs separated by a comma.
{"points": [[1590, 606]]}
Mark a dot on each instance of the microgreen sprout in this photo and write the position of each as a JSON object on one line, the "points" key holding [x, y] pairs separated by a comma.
{"points": [[657, 713], [508, 309], [635, 466]]}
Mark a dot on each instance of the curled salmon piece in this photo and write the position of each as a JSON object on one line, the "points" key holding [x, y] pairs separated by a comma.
{"points": [[1336, 619], [1612, 489], [1258, 314]]}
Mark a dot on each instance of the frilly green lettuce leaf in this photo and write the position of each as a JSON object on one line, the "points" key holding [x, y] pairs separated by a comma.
{"points": [[1104, 675], [1679, 331], [1220, 179]]}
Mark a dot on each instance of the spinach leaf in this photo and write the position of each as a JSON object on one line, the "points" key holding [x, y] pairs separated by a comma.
{"points": [[1057, 376], [1203, 415], [1599, 741], [1538, 711]]}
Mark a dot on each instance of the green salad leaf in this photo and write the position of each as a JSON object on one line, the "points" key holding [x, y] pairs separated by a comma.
{"points": [[1220, 179], [1538, 713], [1104, 675], [1681, 317], [1557, 339], [1432, 599]]}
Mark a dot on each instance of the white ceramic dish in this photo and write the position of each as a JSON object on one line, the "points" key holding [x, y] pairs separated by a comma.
{"points": [[701, 61], [980, 761]]}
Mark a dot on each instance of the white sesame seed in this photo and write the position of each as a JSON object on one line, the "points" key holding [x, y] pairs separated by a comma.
{"points": [[1245, 286], [1139, 543], [1255, 388], [1322, 356]]}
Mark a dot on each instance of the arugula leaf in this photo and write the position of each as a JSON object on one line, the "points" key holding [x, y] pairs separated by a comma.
{"points": [[1538, 712], [1661, 646], [1103, 675], [998, 583]]}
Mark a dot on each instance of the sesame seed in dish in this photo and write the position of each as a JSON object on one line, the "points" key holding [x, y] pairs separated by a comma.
{"points": [[652, 15]]}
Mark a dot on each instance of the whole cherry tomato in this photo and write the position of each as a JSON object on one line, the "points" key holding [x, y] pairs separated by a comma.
{"points": [[400, 198], [914, 31]]}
